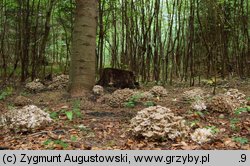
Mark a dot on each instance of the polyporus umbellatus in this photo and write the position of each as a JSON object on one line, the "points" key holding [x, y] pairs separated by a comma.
{"points": [[28, 118], [223, 104], [35, 86], [194, 94], [157, 122], [22, 101], [202, 135], [234, 94], [199, 105], [120, 96], [158, 91], [59, 82], [98, 90]]}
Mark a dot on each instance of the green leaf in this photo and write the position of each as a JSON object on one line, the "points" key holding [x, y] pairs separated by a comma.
{"points": [[135, 98], [2, 96], [240, 110], [234, 120], [47, 142], [69, 115], [73, 138], [130, 104], [149, 104], [199, 113], [77, 112], [213, 129], [194, 123], [62, 111], [53, 115], [6, 92], [233, 124], [241, 140], [62, 143]]}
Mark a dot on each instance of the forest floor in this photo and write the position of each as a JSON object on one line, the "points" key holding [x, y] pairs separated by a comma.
{"points": [[104, 127]]}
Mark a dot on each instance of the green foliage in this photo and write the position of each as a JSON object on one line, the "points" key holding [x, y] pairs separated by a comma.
{"points": [[142, 15], [76, 109], [47, 142], [199, 113], [194, 123], [61, 143], [131, 103], [149, 104], [75, 112], [5, 93], [241, 110], [78, 113], [214, 129], [50, 143], [234, 120], [55, 69], [233, 124], [136, 97], [54, 115], [241, 140], [69, 115], [73, 138]]}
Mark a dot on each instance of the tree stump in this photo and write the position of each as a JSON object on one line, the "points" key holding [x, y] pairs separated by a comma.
{"points": [[117, 78]]}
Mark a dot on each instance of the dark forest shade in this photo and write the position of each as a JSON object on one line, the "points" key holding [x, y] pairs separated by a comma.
{"points": [[117, 78]]}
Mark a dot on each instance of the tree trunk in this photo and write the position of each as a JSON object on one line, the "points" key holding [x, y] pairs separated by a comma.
{"points": [[82, 69]]}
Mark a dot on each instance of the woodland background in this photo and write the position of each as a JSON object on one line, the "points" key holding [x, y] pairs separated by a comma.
{"points": [[160, 40], [191, 58]]}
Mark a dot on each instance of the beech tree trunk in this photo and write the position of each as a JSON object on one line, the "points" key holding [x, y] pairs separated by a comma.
{"points": [[83, 59]]}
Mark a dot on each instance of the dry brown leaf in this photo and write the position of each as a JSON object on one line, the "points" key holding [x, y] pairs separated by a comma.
{"points": [[246, 147], [191, 147], [229, 142], [96, 148]]}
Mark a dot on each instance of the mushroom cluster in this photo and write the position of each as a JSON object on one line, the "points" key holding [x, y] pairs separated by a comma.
{"points": [[158, 91], [157, 122], [223, 104], [193, 95], [98, 90], [22, 101], [234, 94], [120, 96], [201, 135], [28, 118], [59, 82], [199, 105], [35, 86]]}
